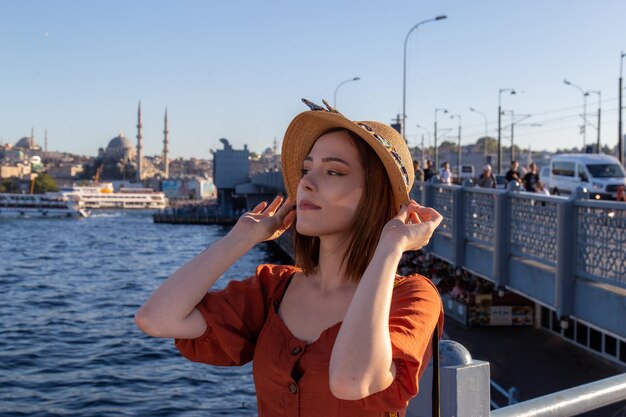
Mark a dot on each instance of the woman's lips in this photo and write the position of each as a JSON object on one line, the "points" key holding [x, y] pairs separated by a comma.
{"points": [[307, 205]]}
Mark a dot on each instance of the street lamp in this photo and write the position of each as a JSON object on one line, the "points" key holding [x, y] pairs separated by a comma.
{"points": [[458, 149], [406, 39], [585, 94], [436, 150], [484, 117], [340, 84], [500, 91], [620, 139], [427, 131], [599, 93]]}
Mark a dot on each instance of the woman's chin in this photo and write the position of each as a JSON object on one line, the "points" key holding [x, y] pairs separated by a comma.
{"points": [[306, 229]]}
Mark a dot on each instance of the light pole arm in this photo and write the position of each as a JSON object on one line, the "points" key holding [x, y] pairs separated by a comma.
{"points": [[406, 41], [337, 89]]}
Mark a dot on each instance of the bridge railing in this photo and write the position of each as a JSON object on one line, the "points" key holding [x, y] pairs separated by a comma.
{"points": [[568, 254], [465, 391], [601, 241]]}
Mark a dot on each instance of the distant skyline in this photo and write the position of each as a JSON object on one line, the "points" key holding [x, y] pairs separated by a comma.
{"points": [[238, 70]]}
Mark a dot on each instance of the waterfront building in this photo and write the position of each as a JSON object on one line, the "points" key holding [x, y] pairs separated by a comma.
{"points": [[231, 168], [17, 170], [189, 188]]}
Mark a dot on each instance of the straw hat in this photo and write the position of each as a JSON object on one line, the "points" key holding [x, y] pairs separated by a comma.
{"points": [[308, 126]]}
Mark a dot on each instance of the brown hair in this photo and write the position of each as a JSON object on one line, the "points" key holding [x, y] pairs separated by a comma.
{"points": [[374, 210]]}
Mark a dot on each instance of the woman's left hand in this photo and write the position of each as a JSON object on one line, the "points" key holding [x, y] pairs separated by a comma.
{"points": [[412, 228]]}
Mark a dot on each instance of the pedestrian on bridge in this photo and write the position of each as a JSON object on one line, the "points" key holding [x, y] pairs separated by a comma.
{"points": [[531, 178], [445, 175], [513, 174], [486, 178]]}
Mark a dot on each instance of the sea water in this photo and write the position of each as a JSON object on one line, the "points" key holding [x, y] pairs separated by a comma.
{"points": [[69, 346]]}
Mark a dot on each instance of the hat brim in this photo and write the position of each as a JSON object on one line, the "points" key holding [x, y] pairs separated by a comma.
{"points": [[308, 126]]}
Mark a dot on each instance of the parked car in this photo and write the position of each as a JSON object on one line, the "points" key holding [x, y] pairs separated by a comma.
{"points": [[601, 174]]}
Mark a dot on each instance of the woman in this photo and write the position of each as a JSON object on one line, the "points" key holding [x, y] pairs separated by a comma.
{"points": [[486, 179], [340, 334]]}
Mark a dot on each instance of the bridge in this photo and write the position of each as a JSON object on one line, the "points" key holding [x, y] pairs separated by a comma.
{"points": [[567, 254]]}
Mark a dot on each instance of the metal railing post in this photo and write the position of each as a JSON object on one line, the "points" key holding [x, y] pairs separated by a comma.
{"points": [[566, 254], [429, 193], [428, 200], [458, 226], [465, 388], [501, 251]]}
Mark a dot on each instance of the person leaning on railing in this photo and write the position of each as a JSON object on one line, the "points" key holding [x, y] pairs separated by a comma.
{"points": [[513, 174], [340, 333], [486, 178]]}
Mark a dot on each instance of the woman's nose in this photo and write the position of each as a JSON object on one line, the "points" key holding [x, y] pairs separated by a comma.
{"points": [[307, 182]]}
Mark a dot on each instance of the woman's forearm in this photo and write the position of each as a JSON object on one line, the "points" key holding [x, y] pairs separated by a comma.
{"points": [[361, 362], [167, 312]]}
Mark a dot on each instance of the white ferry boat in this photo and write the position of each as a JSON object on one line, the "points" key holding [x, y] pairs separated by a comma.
{"points": [[45, 205], [102, 196]]}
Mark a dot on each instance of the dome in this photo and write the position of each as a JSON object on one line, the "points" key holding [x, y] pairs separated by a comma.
{"points": [[120, 141], [119, 148], [26, 143]]}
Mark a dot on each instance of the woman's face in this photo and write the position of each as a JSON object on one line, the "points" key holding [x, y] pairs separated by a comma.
{"points": [[331, 187]]}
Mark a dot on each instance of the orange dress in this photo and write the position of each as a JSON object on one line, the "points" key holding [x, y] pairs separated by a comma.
{"points": [[291, 376]]}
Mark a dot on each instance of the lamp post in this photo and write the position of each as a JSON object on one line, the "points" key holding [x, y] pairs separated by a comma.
{"points": [[620, 139], [502, 90], [585, 95], [406, 39], [436, 150], [458, 149], [484, 117], [599, 93], [340, 84], [513, 123], [427, 131]]}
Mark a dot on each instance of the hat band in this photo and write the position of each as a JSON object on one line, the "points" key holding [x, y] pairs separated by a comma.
{"points": [[391, 149]]}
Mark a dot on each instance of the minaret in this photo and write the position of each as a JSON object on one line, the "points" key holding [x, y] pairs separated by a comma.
{"points": [[139, 151], [166, 165], [46, 142], [31, 142]]}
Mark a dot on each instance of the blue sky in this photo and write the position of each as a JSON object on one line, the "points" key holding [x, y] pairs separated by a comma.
{"points": [[238, 69]]}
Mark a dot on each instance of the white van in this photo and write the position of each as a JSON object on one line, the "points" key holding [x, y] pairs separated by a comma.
{"points": [[601, 174], [467, 171], [544, 176]]}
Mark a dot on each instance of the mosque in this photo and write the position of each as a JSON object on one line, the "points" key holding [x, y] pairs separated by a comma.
{"points": [[123, 161], [28, 144]]}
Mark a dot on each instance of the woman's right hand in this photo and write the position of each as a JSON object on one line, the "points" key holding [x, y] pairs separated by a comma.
{"points": [[267, 222]]}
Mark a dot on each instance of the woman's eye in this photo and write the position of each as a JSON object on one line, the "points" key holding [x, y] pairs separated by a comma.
{"points": [[335, 173], [304, 171]]}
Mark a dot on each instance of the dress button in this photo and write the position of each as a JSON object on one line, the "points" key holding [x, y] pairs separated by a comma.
{"points": [[293, 388], [296, 350]]}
